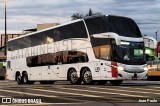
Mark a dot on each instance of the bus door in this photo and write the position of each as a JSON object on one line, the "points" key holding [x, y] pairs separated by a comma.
{"points": [[34, 68], [105, 70], [46, 72], [60, 70], [35, 73]]}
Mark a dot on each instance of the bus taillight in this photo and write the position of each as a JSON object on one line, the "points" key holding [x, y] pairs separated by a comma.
{"points": [[114, 69]]}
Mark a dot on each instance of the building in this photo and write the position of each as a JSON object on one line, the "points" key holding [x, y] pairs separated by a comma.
{"points": [[46, 25], [40, 27], [10, 36]]}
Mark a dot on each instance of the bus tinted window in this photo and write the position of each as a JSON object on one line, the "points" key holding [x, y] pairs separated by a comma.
{"points": [[11, 47], [26, 42], [101, 48], [62, 57], [74, 30], [103, 52], [96, 25], [123, 26], [37, 39]]}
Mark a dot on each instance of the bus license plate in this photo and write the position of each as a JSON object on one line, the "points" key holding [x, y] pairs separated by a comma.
{"points": [[134, 78]]}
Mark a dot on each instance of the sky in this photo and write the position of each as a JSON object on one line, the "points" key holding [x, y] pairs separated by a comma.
{"points": [[26, 14]]}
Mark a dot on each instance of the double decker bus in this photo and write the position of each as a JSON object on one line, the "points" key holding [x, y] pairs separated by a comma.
{"points": [[93, 49]]}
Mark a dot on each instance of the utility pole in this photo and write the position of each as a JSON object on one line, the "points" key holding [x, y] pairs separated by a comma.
{"points": [[6, 37], [156, 34]]}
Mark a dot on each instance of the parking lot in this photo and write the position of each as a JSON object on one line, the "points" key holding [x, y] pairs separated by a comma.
{"points": [[62, 93]]}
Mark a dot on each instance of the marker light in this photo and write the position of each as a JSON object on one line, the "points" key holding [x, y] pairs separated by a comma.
{"points": [[120, 68], [145, 69]]}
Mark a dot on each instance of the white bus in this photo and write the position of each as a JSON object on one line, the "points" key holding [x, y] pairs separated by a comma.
{"points": [[93, 49]]}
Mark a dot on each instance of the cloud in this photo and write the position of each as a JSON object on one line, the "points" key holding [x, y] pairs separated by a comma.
{"points": [[23, 14]]}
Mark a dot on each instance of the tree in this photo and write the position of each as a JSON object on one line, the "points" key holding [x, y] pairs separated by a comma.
{"points": [[90, 12], [79, 16], [76, 16]]}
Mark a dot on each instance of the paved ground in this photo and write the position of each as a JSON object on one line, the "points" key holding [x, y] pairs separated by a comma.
{"points": [[62, 93]]}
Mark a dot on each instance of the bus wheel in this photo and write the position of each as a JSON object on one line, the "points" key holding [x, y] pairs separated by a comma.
{"points": [[116, 82], [87, 76], [102, 82], [73, 77], [19, 79], [25, 78]]}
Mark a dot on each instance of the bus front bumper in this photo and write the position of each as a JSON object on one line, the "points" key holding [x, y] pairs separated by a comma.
{"points": [[132, 76]]}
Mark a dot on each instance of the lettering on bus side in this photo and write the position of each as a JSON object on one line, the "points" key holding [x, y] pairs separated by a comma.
{"points": [[62, 57]]}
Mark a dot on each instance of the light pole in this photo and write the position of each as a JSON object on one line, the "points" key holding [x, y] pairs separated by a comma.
{"points": [[6, 37], [156, 34]]}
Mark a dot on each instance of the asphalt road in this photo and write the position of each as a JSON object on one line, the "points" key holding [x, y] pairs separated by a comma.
{"points": [[62, 93]]}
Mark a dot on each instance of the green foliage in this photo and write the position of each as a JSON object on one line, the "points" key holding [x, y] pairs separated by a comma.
{"points": [[76, 16], [79, 16]]}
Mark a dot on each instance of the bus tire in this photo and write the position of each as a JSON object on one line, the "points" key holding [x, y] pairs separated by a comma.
{"points": [[102, 82], [116, 82], [87, 76], [19, 79], [25, 79], [73, 77]]}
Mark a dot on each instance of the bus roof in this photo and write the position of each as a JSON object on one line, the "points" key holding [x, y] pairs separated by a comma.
{"points": [[77, 20]]}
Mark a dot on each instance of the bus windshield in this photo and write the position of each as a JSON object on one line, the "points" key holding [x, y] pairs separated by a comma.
{"points": [[120, 25], [129, 53], [123, 26]]}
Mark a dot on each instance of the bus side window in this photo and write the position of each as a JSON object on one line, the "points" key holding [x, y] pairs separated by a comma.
{"points": [[59, 58], [53, 58], [29, 61], [81, 57], [34, 61], [65, 55], [44, 59], [39, 63], [8, 64], [70, 59]]}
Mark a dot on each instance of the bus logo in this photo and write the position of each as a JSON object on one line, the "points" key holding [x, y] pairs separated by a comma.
{"points": [[6, 100]]}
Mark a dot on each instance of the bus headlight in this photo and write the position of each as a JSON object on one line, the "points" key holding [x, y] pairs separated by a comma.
{"points": [[145, 69], [120, 68]]}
